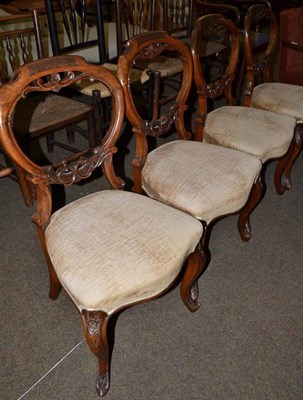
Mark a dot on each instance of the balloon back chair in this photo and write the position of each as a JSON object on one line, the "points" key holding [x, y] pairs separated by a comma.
{"points": [[203, 180], [263, 134], [38, 114], [110, 249], [283, 98]]}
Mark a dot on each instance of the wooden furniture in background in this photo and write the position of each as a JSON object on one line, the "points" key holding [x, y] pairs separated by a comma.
{"points": [[110, 249], [39, 115]]}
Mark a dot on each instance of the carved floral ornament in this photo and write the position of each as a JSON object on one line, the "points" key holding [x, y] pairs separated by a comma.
{"points": [[153, 50], [157, 127], [71, 172], [211, 30], [216, 88], [260, 66], [54, 82]]}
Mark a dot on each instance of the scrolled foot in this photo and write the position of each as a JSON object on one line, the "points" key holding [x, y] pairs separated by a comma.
{"points": [[193, 297], [245, 231], [102, 384], [189, 286]]}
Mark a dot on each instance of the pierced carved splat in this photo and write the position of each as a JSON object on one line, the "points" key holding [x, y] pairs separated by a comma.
{"points": [[68, 173], [216, 88], [211, 30], [153, 50], [54, 82], [259, 67], [157, 127]]}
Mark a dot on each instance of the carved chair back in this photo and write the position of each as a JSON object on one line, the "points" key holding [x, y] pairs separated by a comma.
{"points": [[148, 46], [211, 87], [82, 24], [259, 64], [54, 74]]}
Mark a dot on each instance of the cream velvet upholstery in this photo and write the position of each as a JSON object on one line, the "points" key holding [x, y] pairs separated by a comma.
{"points": [[87, 87], [204, 180], [261, 133], [281, 98], [113, 248]]}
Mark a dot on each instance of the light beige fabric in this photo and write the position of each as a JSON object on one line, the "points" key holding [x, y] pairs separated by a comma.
{"points": [[87, 87], [201, 179], [279, 97], [261, 133], [113, 248]]}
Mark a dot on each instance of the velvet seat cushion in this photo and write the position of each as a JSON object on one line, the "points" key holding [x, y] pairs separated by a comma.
{"points": [[281, 98], [113, 248], [263, 134], [204, 180]]}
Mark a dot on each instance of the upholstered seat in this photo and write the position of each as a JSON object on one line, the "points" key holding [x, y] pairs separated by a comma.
{"points": [[221, 188], [263, 134], [281, 98], [113, 248]]}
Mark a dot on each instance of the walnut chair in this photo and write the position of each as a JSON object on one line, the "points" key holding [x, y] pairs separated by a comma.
{"points": [[266, 135], [41, 114], [282, 98], [110, 249], [207, 182]]}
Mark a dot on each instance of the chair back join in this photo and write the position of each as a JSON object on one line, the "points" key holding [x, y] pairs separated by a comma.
{"points": [[259, 18], [53, 74], [209, 28], [18, 46], [83, 27]]}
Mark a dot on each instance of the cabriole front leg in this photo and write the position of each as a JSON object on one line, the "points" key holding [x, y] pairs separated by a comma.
{"points": [[95, 326], [189, 286]]}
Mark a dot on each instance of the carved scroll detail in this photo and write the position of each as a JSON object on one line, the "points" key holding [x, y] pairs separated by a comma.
{"points": [[260, 66], [152, 50], [216, 88], [102, 384], [69, 173], [194, 294], [211, 30], [157, 127], [54, 82]]}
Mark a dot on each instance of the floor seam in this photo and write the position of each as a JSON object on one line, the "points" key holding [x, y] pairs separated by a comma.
{"points": [[50, 370]]}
